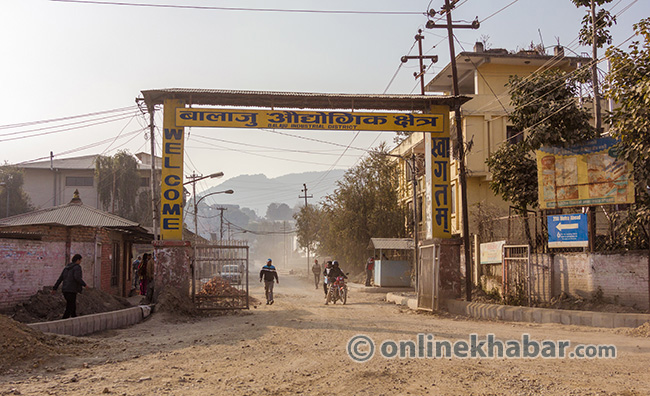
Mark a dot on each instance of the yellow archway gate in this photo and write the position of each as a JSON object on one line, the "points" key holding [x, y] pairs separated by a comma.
{"points": [[306, 111]]}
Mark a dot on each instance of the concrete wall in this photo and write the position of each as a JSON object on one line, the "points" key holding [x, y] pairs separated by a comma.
{"points": [[623, 278]]}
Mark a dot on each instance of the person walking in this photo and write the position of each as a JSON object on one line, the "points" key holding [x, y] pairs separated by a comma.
{"points": [[136, 266], [316, 270], [269, 274], [370, 266], [72, 279]]}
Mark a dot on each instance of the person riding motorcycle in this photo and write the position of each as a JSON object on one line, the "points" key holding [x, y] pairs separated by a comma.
{"points": [[335, 272], [328, 268]]}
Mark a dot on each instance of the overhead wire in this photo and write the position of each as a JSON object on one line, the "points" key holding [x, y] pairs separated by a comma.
{"points": [[177, 6]]}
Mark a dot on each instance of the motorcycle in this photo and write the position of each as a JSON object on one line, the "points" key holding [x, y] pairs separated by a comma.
{"points": [[337, 291]]}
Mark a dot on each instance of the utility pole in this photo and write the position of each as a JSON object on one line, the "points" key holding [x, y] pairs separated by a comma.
{"points": [[304, 190], [462, 172], [434, 58], [284, 241], [416, 225], [154, 196], [594, 68], [221, 208]]}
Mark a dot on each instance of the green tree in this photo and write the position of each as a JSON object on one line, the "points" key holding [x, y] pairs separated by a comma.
{"points": [[595, 32], [628, 84], [365, 204], [118, 182], [604, 20], [13, 199], [547, 113], [308, 223]]}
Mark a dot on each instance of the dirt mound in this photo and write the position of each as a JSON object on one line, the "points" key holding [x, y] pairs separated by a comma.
{"points": [[22, 345], [641, 331], [218, 286], [173, 301], [44, 306]]}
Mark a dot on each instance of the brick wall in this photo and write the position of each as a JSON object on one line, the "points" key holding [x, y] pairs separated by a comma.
{"points": [[26, 266]]}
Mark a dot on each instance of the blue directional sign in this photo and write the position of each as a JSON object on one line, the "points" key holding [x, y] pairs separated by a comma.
{"points": [[568, 231]]}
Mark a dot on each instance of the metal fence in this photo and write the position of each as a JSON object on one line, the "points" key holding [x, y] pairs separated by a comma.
{"points": [[220, 275], [614, 229]]}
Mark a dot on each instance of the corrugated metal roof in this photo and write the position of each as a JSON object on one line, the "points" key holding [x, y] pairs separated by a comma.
{"points": [[83, 162], [72, 214], [391, 243], [298, 100]]}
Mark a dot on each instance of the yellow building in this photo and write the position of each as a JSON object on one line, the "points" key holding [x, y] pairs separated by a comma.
{"points": [[483, 75]]}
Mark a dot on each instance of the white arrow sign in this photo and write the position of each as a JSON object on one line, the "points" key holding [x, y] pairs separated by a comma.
{"points": [[570, 226]]}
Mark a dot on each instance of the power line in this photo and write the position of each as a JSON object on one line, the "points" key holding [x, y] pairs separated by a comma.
{"points": [[20, 125], [176, 6]]}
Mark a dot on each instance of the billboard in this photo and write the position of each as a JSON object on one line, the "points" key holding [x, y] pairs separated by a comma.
{"points": [[319, 120], [583, 175]]}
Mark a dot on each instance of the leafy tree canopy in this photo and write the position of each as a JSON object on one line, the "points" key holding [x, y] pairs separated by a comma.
{"points": [[13, 200], [118, 182], [547, 113], [604, 20], [364, 205], [628, 84]]}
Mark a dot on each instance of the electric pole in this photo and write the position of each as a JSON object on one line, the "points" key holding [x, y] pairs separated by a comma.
{"points": [[462, 172], [304, 190], [434, 58], [221, 209], [154, 197]]}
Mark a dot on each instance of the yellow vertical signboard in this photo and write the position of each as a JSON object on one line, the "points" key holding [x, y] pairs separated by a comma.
{"points": [[438, 183], [171, 219]]}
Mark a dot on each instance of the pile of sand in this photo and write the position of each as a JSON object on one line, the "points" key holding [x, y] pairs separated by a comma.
{"points": [[641, 331], [21, 345], [173, 301], [44, 306]]}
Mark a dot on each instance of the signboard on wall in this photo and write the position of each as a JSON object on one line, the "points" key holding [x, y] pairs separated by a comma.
{"points": [[437, 145], [492, 252], [568, 231], [584, 175], [321, 120]]}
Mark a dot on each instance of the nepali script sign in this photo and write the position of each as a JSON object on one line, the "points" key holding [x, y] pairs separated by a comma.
{"points": [[321, 120]]}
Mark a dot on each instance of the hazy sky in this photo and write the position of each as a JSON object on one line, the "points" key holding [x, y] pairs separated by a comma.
{"points": [[64, 59]]}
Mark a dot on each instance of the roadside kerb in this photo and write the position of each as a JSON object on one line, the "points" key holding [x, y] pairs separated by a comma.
{"points": [[83, 325], [532, 315]]}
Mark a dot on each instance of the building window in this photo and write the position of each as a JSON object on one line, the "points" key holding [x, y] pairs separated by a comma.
{"points": [[115, 264], [79, 181], [420, 209], [514, 135], [144, 182]]}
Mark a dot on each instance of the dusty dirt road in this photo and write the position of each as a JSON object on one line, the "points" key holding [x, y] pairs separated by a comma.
{"points": [[298, 346]]}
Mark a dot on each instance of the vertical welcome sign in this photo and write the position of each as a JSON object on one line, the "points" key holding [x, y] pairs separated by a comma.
{"points": [[171, 219], [438, 183]]}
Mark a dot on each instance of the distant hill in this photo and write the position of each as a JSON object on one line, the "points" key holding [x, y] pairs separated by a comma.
{"points": [[258, 191]]}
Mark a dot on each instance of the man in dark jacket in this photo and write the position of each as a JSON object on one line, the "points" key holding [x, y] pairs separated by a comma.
{"points": [[71, 277], [269, 274]]}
